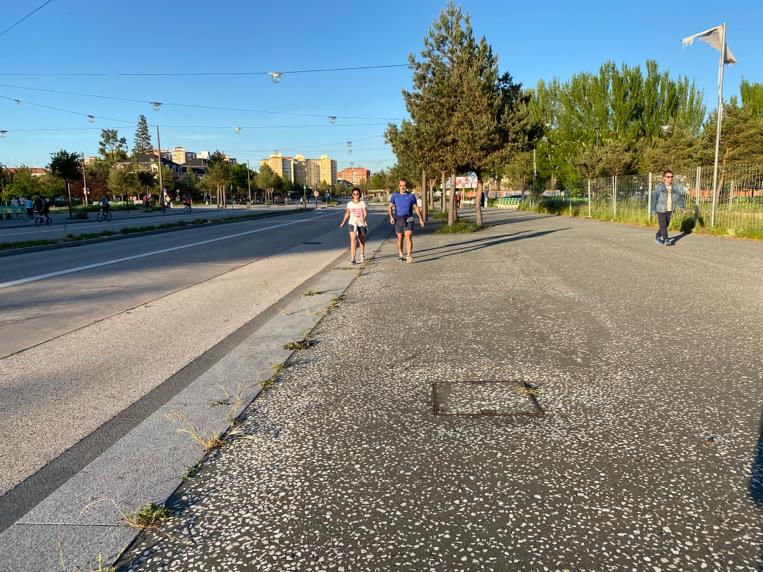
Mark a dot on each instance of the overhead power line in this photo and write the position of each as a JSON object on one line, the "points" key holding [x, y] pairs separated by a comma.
{"points": [[195, 106], [9, 28], [207, 73]]}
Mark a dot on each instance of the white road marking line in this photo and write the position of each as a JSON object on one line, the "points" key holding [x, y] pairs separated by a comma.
{"points": [[147, 254]]}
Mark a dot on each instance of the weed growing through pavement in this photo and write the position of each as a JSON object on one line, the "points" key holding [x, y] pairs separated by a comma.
{"points": [[311, 292], [267, 383], [334, 302], [192, 471], [302, 344], [208, 442], [100, 562], [148, 516]]}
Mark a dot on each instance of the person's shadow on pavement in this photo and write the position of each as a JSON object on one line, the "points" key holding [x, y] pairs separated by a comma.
{"points": [[756, 484]]}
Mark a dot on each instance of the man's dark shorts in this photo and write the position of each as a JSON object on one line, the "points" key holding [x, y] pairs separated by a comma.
{"points": [[360, 230], [403, 223]]}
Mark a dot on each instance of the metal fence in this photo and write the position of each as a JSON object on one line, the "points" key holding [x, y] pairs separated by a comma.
{"points": [[627, 198]]}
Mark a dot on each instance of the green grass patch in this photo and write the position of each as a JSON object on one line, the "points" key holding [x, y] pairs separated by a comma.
{"points": [[458, 227], [312, 292], [148, 516], [25, 244]]}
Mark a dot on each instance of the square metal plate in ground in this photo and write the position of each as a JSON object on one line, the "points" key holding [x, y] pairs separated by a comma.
{"points": [[486, 398]]}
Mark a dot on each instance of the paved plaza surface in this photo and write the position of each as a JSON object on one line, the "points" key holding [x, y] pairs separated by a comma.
{"points": [[621, 428]]}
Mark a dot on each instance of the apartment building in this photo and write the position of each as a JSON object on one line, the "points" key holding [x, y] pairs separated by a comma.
{"points": [[281, 166], [355, 175], [180, 156], [328, 170]]}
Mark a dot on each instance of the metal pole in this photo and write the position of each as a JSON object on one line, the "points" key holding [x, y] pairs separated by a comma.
{"points": [[248, 185], [649, 199], [614, 197], [535, 172], [84, 179], [161, 182], [718, 126], [589, 197], [698, 185]]}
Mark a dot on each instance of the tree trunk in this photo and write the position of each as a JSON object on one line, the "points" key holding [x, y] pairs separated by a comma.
{"points": [[69, 200], [442, 192], [424, 198], [452, 215], [478, 201]]}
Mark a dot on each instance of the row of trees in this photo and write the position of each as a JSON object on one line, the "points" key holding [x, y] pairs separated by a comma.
{"points": [[116, 172], [466, 116]]}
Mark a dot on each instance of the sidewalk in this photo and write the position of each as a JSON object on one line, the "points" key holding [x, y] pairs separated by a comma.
{"points": [[646, 361]]}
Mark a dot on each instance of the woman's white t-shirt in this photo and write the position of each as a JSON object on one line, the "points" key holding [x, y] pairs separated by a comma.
{"points": [[357, 216]]}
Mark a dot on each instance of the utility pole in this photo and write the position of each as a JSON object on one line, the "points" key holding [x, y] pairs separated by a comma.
{"points": [[161, 182], [248, 185], [84, 179]]}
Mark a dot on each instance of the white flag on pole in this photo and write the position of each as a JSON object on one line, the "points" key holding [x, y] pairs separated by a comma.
{"points": [[712, 37]]}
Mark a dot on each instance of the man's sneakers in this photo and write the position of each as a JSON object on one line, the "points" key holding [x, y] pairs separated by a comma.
{"points": [[659, 240], [409, 259], [669, 242], [400, 257]]}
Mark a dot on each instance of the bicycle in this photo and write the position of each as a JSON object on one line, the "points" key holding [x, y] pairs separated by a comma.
{"points": [[42, 218], [103, 216], [186, 208]]}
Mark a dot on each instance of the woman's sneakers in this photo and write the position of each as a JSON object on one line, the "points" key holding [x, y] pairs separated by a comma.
{"points": [[362, 258], [352, 261]]}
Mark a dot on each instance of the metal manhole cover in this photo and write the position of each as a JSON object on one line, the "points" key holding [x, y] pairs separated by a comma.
{"points": [[487, 398]]}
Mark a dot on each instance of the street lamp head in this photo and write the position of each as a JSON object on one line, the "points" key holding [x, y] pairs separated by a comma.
{"points": [[275, 76], [3, 133], [91, 118], [18, 101], [237, 129], [156, 105], [332, 119]]}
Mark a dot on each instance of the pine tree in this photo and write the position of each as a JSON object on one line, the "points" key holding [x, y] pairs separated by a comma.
{"points": [[142, 144]]}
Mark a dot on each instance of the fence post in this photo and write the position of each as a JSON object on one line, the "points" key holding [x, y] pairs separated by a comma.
{"points": [[649, 199], [698, 185], [589, 197], [614, 197], [731, 193]]}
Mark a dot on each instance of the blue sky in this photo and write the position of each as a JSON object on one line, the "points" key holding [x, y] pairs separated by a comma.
{"points": [[534, 40]]}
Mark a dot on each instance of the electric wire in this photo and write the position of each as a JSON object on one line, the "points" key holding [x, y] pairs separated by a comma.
{"points": [[9, 28]]}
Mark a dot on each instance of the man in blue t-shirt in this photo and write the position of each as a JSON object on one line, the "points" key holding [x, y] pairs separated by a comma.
{"points": [[405, 205]]}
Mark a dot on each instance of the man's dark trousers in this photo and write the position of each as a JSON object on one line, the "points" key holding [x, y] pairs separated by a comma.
{"points": [[664, 221]]}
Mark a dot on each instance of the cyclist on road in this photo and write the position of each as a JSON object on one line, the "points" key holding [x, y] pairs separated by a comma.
{"points": [[105, 206], [405, 205]]}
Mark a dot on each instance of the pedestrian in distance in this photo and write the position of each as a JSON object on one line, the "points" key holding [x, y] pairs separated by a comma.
{"points": [[667, 196], [29, 206], [405, 205], [357, 213]]}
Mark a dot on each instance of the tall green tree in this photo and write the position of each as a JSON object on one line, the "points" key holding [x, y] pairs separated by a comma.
{"points": [[268, 180], [123, 180], [752, 97], [142, 143], [218, 176], [22, 184], [112, 147], [66, 166], [146, 180], [435, 98]]}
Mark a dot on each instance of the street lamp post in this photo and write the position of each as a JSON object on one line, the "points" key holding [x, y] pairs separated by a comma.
{"points": [[84, 180], [248, 185]]}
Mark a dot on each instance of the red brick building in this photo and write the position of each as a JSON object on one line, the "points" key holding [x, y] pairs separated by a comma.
{"points": [[354, 175]]}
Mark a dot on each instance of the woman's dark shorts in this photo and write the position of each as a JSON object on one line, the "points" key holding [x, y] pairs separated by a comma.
{"points": [[360, 230]]}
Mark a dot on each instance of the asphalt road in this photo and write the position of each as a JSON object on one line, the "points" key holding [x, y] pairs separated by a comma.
{"points": [[78, 345], [18, 230]]}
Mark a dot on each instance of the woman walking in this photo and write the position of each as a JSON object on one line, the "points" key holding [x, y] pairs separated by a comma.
{"points": [[357, 212]]}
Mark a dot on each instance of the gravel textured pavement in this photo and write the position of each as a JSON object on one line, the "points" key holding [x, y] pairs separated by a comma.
{"points": [[645, 359]]}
